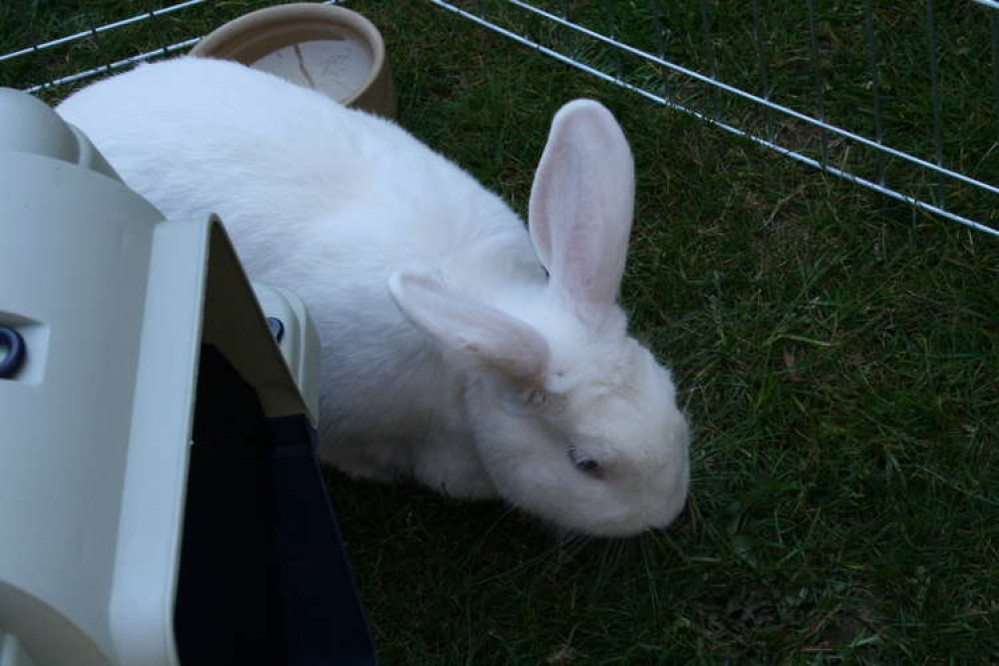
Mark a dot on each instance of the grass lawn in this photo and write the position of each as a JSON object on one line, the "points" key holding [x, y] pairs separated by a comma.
{"points": [[837, 353]]}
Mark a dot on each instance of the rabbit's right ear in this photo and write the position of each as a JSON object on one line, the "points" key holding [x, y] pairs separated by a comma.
{"points": [[472, 331], [581, 207]]}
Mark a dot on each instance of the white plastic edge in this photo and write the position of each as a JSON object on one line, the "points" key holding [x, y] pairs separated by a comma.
{"points": [[300, 345], [151, 521]]}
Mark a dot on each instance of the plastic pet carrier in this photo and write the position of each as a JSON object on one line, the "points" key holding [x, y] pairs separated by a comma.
{"points": [[160, 498]]}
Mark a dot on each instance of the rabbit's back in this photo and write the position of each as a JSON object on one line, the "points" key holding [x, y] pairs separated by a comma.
{"points": [[287, 169]]}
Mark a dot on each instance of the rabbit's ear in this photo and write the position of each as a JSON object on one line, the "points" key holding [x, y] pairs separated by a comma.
{"points": [[581, 206], [471, 330]]}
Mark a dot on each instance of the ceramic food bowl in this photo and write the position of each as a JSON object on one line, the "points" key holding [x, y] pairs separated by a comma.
{"points": [[327, 48]]}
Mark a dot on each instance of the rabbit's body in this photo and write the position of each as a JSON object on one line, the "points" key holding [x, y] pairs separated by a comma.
{"points": [[350, 212]]}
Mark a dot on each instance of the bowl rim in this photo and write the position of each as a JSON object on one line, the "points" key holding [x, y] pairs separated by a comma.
{"points": [[226, 40]]}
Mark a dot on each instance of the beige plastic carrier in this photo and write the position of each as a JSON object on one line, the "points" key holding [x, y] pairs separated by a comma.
{"points": [[160, 499]]}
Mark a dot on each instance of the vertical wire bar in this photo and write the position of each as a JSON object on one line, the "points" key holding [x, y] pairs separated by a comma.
{"points": [[659, 27], [96, 35], [162, 43], [154, 21], [709, 48], [820, 95], [761, 50], [995, 65], [611, 20], [872, 52], [931, 34], [572, 42]]}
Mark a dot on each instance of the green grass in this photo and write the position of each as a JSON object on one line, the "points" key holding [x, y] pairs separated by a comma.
{"points": [[837, 353]]}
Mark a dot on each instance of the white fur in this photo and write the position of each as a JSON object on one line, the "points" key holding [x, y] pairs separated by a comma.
{"points": [[447, 353]]}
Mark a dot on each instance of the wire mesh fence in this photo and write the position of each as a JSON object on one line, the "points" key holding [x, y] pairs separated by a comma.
{"points": [[902, 100]]}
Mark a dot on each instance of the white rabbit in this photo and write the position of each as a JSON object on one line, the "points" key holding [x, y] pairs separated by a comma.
{"points": [[457, 348]]}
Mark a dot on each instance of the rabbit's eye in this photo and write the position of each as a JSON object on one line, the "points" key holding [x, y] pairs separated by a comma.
{"points": [[583, 462]]}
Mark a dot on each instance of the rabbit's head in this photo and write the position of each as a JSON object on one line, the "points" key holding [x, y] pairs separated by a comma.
{"points": [[574, 420]]}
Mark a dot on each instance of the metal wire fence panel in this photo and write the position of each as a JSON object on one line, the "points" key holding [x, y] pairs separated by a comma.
{"points": [[77, 46], [903, 100]]}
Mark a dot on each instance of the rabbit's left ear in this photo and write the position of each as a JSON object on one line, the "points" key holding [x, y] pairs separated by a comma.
{"points": [[480, 334], [581, 206]]}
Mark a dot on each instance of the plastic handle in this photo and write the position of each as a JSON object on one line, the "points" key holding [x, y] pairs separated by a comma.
{"points": [[12, 360]]}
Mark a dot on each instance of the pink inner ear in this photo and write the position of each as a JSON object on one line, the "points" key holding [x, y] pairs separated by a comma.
{"points": [[470, 330], [581, 206]]}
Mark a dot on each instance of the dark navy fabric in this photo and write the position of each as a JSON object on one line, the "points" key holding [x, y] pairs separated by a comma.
{"points": [[264, 578]]}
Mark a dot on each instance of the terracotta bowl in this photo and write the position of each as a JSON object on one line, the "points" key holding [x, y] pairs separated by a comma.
{"points": [[327, 48]]}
